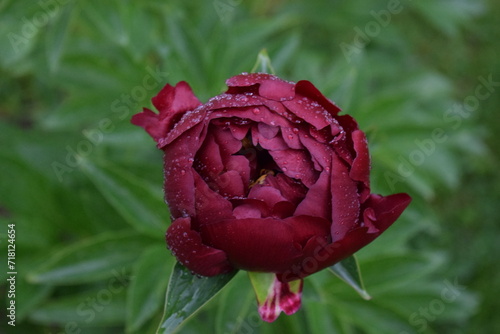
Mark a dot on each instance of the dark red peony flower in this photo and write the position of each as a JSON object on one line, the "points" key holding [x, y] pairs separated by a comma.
{"points": [[266, 177]]}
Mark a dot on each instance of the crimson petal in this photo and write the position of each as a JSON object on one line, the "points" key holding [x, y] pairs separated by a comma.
{"points": [[317, 201], [306, 88], [319, 254], [360, 169], [345, 200], [171, 101], [265, 245], [296, 164], [188, 248], [210, 205], [267, 194], [178, 173], [386, 209]]}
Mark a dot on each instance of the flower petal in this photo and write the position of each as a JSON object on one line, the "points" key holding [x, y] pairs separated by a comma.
{"points": [[291, 137], [345, 200], [264, 245], [208, 161], [278, 90], [275, 143], [317, 202], [320, 152], [310, 111], [360, 169], [230, 184], [296, 164], [386, 209], [187, 247], [320, 254], [306, 88], [210, 205], [172, 103], [150, 122], [178, 173], [294, 191], [267, 194]]}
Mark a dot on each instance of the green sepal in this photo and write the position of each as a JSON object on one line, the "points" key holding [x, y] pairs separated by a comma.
{"points": [[348, 271], [263, 63]]}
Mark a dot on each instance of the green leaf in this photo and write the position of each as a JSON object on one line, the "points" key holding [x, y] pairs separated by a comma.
{"points": [[56, 35], [146, 293], [93, 259], [102, 305], [186, 294], [348, 271], [138, 202]]}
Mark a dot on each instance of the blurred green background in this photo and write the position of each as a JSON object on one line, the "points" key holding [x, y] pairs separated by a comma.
{"points": [[83, 186]]}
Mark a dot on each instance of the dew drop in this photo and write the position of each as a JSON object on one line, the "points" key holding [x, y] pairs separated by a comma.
{"points": [[256, 111]]}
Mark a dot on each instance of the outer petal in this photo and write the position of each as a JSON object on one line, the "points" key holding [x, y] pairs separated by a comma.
{"points": [[386, 209], [360, 169], [178, 173], [189, 120], [270, 86], [278, 90], [149, 121], [310, 111], [172, 103], [187, 247], [320, 254], [268, 244], [306, 88], [345, 200], [251, 244]]}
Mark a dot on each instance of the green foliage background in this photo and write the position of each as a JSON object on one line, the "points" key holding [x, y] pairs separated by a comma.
{"points": [[90, 251]]}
